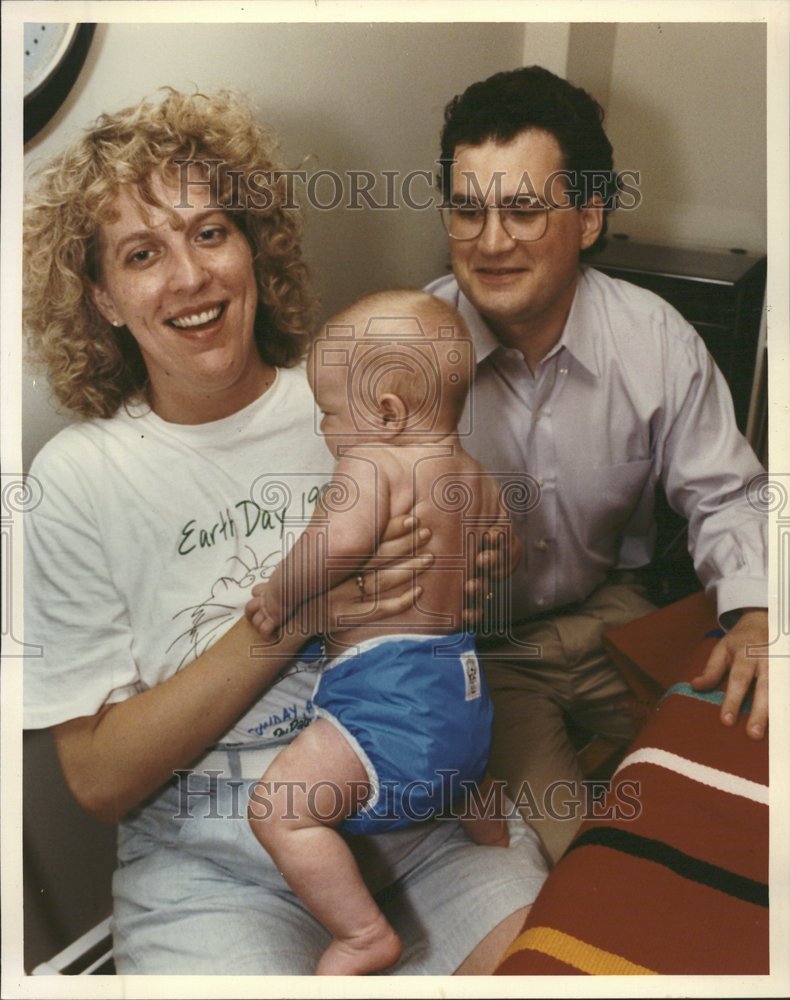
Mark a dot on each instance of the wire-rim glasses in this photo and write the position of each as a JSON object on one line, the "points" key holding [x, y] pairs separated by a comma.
{"points": [[466, 220]]}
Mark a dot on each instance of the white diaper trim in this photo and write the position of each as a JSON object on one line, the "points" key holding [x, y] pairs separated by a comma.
{"points": [[356, 746], [366, 644]]}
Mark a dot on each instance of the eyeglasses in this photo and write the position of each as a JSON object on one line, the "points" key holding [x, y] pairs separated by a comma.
{"points": [[525, 223]]}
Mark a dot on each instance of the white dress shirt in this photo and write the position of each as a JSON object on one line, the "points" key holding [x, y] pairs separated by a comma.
{"points": [[627, 397]]}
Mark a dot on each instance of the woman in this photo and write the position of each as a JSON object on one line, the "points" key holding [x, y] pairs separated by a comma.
{"points": [[167, 297]]}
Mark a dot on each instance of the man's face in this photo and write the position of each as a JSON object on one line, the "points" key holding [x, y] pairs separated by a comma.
{"points": [[523, 289]]}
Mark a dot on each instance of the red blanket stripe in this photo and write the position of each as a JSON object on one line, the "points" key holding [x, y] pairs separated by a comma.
{"points": [[691, 816]]}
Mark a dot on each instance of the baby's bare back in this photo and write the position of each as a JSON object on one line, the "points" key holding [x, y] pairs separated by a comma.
{"points": [[458, 501]]}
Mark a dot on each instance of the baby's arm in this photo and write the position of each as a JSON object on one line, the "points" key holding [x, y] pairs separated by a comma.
{"points": [[347, 524]]}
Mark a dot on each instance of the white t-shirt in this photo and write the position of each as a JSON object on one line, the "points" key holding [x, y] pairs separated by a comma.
{"points": [[147, 542]]}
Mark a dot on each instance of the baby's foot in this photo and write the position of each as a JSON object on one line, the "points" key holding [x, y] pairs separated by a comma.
{"points": [[376, 948]]}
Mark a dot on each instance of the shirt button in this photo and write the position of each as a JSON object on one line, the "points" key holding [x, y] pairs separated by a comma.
{"points": [[563, 371], [542, 545], [541, 481], [542, 602]]}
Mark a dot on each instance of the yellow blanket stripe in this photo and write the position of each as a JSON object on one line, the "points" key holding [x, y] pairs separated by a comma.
{"points": [[572, 951]]}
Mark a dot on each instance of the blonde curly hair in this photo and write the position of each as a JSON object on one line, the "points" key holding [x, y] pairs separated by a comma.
{"points": [[92, 367]]}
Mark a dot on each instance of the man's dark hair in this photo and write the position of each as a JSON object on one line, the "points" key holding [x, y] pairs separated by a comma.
{"points": [[508, 103]]}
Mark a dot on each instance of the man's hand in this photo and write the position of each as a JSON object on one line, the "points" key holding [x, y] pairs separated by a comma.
{"points": [[499, 555], [731, 653]]}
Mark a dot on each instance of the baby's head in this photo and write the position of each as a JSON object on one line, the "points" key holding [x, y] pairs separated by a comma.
{"points": [[394, 366]]}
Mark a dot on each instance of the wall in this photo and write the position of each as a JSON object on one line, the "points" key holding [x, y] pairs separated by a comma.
{"points": [[686, 107]]}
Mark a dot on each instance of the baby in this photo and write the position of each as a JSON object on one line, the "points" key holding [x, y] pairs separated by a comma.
{"points": [[402, 706]]}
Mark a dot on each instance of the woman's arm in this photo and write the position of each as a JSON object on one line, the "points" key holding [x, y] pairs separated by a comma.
{"points": [[115, 759]]}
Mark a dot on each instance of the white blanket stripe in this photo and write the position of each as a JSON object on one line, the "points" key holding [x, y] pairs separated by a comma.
{"points": [[722, 780]]}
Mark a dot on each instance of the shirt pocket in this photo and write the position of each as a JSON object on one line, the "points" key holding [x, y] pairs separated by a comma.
{"points": [[617, 491]]}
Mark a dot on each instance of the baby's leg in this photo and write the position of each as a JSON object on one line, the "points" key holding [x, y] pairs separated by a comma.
{"points": [[311, 786], [483, 817]]}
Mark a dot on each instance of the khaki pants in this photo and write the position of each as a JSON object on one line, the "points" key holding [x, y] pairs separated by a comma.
{"points": [[567, 674]]}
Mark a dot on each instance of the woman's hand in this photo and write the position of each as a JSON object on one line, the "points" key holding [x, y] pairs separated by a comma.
{"points": [[371, 595], [403, 537], [386, 585]]}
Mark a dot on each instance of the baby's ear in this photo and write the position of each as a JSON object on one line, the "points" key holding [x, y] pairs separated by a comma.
{"points": [[393, 411]]}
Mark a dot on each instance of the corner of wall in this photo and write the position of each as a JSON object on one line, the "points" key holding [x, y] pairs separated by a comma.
{"points": [[546, 44], [591, 58]]}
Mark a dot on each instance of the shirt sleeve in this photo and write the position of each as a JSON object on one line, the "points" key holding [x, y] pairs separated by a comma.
{"points": [[72, 610], [709, 473]]}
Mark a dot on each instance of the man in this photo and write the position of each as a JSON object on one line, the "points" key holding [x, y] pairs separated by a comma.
{"points": [[598, 390]]}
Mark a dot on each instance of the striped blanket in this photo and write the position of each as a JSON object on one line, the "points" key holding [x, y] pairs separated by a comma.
{"points": [[672, 879]]}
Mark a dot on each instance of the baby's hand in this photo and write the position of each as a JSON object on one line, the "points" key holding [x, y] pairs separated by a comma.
{"points": [[259, 614]]}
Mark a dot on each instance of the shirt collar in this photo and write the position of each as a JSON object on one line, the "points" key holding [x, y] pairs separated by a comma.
{"points": [[483, 339], [576, 337]]}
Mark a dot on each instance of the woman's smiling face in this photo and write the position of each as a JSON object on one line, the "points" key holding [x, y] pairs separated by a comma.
{"points": [[187, 294]]}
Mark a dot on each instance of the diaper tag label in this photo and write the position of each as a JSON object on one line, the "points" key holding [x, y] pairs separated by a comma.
{"points": [[471, 675]]}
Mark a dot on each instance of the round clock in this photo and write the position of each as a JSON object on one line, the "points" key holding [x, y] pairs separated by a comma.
{"points": [[54, 55]]}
